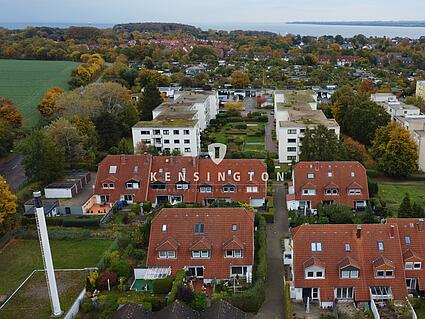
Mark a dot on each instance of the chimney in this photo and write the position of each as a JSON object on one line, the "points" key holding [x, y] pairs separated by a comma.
{"points": [[359, 231], [421, 224], [392, 231]]}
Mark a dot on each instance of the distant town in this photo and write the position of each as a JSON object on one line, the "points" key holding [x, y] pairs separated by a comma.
{"points": [[158, 170]]}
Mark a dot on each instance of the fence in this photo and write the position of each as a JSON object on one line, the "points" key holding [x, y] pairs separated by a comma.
{"points": [[374, 309], [75, 306], [107, 217]]}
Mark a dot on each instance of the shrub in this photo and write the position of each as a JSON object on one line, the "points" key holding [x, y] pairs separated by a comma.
{"points": [[268, 216], [199, 302], [185, 294], [86, 306], [241, 126], [178, 280], [372, 173], [102, 281], [287, 306], [121, 268], [373, 188], [162, 286]]}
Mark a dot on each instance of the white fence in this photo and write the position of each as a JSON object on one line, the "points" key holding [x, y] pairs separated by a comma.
{"points": [[375, 311], [75, 306]]}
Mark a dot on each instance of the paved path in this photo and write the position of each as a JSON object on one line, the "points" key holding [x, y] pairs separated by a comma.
{"points": [[273, 307], [270, 144], [13, 171]]}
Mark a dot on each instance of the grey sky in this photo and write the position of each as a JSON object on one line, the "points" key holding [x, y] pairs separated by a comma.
{"points": [[213, 11]]}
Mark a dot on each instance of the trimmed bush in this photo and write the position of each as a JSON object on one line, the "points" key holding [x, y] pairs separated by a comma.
{"points": [[287, 306], [121, 268], [199, 302], [268, 216], [178, 280], [162, 286]]}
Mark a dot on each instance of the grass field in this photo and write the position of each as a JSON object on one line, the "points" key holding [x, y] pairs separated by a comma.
{"points": [[26, 81], [32, 300], [19, 258], [393, 194]]}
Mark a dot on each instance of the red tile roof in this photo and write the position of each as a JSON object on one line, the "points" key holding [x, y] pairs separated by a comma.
{"points": [[363, 253], [172, 169], [414, 228], [217, 231], [345, 176]]}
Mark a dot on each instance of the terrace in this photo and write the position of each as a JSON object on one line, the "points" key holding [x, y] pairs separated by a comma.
{"points": [[297, 100]]}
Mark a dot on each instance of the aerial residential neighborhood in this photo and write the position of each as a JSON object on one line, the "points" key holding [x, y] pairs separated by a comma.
{"points": [[249, 160]]}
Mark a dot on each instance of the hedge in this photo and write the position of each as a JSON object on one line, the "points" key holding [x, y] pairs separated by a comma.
{"points": [[251, 299], [178, 280], [162, 286], [268, 216], [287, 306], [64, 221]]}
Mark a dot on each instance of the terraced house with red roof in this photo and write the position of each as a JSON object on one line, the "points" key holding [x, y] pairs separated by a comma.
{"points": [[315, 183], [175, 179], [209, 243], [357, 263]]}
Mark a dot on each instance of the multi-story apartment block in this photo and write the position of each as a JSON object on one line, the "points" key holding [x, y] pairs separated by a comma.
{"points": [[176, 179], [315, 183], [420, 89], [393, 106], [416, 126], [209, 243], [177, 124], [295, 112]]}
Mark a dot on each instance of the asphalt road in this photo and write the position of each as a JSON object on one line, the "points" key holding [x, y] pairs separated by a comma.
{"points": [[13, 171]]}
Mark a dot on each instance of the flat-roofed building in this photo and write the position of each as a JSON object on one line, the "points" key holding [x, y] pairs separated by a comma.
{"points": [[420, 89], [416, 126]]}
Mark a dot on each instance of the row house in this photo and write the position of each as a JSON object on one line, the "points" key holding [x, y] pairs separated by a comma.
{"points": [[315, 183], [176, 179], [354, 263], [211, 243]]}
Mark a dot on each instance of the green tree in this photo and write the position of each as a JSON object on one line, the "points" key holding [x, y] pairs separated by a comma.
{"points": [[7, 136], [395, 151], [42, 158], [368, 216], [336, 213], [405, 209], [150, 100], [108, 130], [321, 144]]}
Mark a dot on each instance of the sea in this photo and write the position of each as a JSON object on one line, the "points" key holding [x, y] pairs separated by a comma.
{"points": [[280, 28]]}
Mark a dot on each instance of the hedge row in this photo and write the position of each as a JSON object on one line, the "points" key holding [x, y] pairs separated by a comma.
{"points": [[64, 221], [251, 299], [162, 286], [178, 280], [268, 216], [287, 306]]}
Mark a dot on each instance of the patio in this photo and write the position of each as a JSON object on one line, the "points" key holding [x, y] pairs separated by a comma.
{"points": [[299, 311]]}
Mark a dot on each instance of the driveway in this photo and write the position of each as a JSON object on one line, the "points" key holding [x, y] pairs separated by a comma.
{"points": [[273, 305], [13, 171], [249, 105], [270, 144]]}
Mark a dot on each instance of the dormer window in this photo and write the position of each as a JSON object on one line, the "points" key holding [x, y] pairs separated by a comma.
{"points": [[331, 191], [200, 254], [182, 185], [229, 188], [167, 254], [233, 253], [132, 185], [413, 265], [309, 192], [354, 191], [384, 274], [108, 186], [158, 185], [205, 189], [349, 274]]}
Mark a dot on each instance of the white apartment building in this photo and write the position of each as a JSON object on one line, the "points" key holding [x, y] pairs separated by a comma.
{"points": [[420, 89], [416, 126], [177, 124], [393, 106], [295, 112]]}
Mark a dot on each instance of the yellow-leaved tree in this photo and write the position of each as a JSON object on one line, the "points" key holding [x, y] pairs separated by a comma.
{"points": [[47, 105], [7, 206]]}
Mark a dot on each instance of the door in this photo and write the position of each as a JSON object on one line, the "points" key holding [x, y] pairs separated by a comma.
{"points": [[315, 293], [411, 283], [162, 199]]}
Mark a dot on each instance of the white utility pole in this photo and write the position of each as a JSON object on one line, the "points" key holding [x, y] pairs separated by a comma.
{"points": [[47, 255]]}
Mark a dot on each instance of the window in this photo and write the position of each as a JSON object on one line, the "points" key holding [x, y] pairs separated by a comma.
{"points": [[345, 274], [239, 270], [234, 253], [292, 131], [164, 254], [200, 254], [291, 149], [229, 189], [112, 169], [108, 186], [128, 198], [252, 189], [187, 150], [166, 141], [347, 247], [302, 130], [182, 186], [158, 185], [156, 132], [292, 140], [344, 293], [319, 274], [309, 192], [176, 141], [380, 274], [132, 185], [234, 227], [331, 191], [354, 191], [380, 246], [205, 189], [144, 132], [407, 240], [176, 132], [316, 246], [166, 132], [186, 132], [291, 158], [310, 274], [413, 265], [384, 274], [187, 141], [199, 228], [417, 265], [164, 227], [329, 174], [389, 274], [310, 175]]}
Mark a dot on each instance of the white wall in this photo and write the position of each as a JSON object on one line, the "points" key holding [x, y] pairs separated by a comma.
{"points": [[58, 193]]}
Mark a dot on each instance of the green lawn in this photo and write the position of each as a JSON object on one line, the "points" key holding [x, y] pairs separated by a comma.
{"points": [[32, 300], [21, 257], [393, 194], [26, 81]]}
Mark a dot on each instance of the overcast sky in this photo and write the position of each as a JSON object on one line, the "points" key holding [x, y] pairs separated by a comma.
{"points": [[202, 12]]}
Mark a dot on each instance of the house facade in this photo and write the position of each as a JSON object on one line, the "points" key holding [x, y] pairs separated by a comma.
{"points": [[339, 263], [315, 183], [177, 124], [394, 107], [176, 179], [211, 243], [416, 126], [420, 89], [296, 112]]}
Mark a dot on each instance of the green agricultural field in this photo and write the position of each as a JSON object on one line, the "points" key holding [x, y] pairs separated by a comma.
{"points": [[26, 81], [19, 258], [393, 194]]}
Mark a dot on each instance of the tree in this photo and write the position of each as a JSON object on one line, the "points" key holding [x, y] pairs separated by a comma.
{"points": [[405, 209], [7, 206], [42, 158], [363, 119], [336, 213], [108, 129], [150, 100], [47, 105], [7, 136], [240, 80], [368, 216], [321, 144], [366, 87], [355, 150], [10, 113], [395, 151]]}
